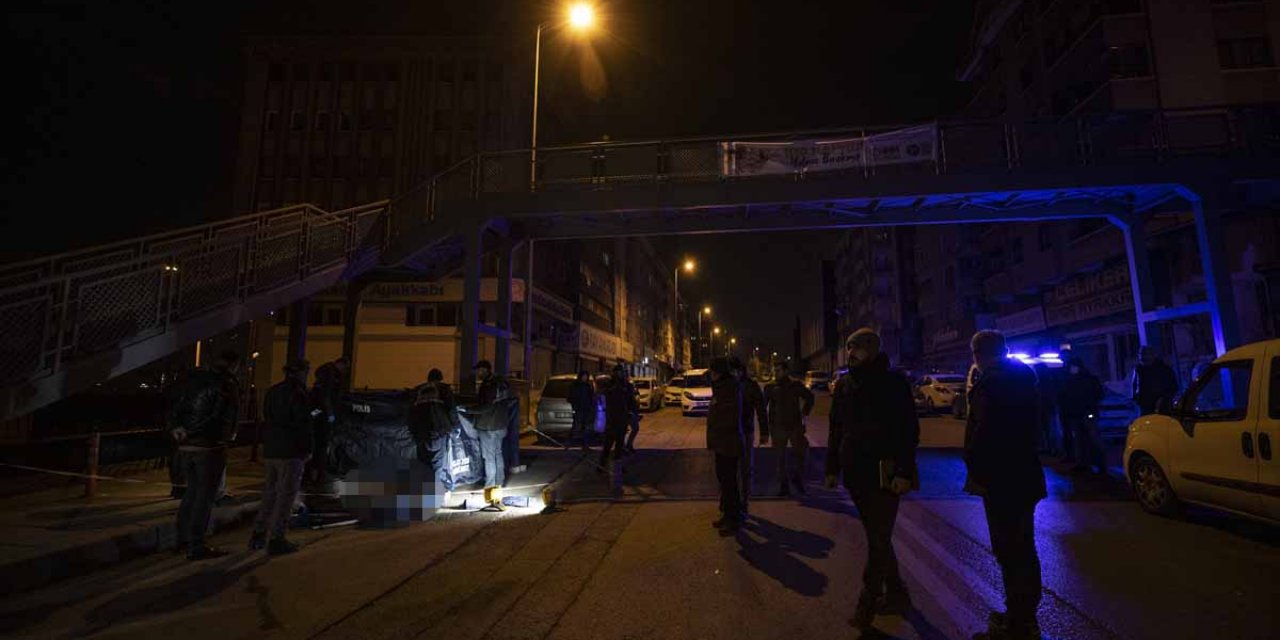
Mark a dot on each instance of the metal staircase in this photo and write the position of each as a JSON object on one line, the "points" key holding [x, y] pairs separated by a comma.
{"points": [[70, 321]]}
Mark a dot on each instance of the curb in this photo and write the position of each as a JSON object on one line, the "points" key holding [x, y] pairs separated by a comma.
{"points": [[147, 538]]}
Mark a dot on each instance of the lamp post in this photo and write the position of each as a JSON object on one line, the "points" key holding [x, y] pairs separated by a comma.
{"points": [[580, 17], [706, 310], [714, 332], [688, 266], [732, 343]]}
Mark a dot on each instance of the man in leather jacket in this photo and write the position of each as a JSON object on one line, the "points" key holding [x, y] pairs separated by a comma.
{"points": [[753, 411], [202, 422], [286, 446]]}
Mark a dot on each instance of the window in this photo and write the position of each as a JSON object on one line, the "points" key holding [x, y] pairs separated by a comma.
{"points": [[275, 72], [301, 72], [344, 121], [1222, 393], [1273, 394], [333, 315], [297, 122], [1129, 61], [1046, 237], [322, 121], [447, 314], [420, 315], [1244, 53], [272, 120]]}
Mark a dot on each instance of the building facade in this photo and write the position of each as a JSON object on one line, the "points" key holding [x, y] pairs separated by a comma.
{"points": [[874, 287]]}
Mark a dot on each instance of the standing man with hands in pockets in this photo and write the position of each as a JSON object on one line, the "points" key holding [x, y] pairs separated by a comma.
{"points": [[872, 443]]}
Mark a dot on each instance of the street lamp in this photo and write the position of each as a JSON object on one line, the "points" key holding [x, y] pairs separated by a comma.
{"points": [[688, 266], [706, 311], [580, 17], [714, 332], [732, 343]]}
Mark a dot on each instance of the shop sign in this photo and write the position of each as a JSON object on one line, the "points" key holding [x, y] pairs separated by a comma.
{"points": [[442, 291], [1098, 306], [596, 342], [1023, 322], [1115, 276], [943, 336], [626, 351], [552, 305]]}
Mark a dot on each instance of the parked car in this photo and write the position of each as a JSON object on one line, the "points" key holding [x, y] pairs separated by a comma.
{"points": [[960, 405], [648, 393], [940, 390], [1216, 445], [696, 396], [555, 416], [817, 380], [672, 392]]}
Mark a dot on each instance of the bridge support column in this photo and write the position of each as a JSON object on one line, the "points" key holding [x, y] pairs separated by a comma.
{"points": [[528, 312], [502, 347], [1217, 269], [469, 350], [351, 326], [1133, 226], [297, 345]]}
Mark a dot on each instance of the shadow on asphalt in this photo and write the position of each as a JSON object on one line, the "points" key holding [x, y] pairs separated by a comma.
{"points": [[166, 596], [775, 554]]}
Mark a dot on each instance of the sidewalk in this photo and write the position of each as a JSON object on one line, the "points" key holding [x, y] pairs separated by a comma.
{"points": [[58, 533]]}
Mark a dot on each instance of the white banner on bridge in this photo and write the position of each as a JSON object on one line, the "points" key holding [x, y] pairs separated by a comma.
{"points": [[916, 144]]}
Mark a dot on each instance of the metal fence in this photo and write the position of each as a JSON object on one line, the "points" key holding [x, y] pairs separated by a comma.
{"points": [[58, 310], [959, 147]]}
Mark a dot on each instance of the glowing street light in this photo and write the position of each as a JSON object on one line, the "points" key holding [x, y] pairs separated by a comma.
{"points": [[689, 265], [580, 17]]}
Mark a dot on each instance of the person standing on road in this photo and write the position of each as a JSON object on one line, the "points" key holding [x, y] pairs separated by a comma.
{"points": [[582, 398], [1154, 382], [726, 440], [326, 395], [633, 423], [788, 404], [492, 420], [620, 408], [1081, 399], [753, 411], [1004, 469], [202, 423], [287, 444], [873, 439]]}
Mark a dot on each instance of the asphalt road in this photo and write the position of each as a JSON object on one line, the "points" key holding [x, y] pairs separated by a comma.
{"points": [[639, 560]]}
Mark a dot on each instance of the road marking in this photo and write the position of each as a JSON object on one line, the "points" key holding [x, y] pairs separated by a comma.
{"points": [[979, 585]]}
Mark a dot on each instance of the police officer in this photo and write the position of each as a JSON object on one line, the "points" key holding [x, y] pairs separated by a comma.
{"points": [[724, 438], [874, 434], [753, 411], [620, 407], [788, 404]]}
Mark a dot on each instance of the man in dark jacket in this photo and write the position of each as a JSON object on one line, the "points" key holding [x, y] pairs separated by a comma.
{"points": [[788, 404], [1081, 399], [286, 446], [873, 439], [202, 422], [1154, 382], [582, 398], [620, 408], [433, 418], [1000, 453], [492, 420], [726, 440], [753, 411], [326, 395]]}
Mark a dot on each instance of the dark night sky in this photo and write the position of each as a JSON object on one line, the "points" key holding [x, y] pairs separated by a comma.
{"points": [[124, 114]]}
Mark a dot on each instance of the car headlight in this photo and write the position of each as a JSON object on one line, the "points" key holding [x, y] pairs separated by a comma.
{"points": [[688, 396]]}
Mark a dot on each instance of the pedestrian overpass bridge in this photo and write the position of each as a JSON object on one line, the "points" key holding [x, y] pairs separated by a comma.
{"points": [[70, 321]]}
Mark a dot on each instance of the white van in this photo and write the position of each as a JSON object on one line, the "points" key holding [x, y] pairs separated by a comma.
{"points": [[1217, 445], [696, 397]]}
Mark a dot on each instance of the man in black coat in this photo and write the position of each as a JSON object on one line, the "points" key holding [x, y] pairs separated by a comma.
{"points": [[326, 395], [726, 440], [1081, 398], [1154, 382], [202, 423], [620, 407], [788, 405], [753, 411], [1004, 469], [582, 398], [873, 439], [287, 444]]}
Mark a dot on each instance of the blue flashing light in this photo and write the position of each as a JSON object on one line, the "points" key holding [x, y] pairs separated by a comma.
{"points": [[1050, 356]]}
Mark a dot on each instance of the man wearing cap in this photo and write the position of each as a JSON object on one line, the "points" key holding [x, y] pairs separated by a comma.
{"points": [[753, 410], [491, 421], [788, 405], [1004, 469], [874, 434], [287, 442], [725, 439]]}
